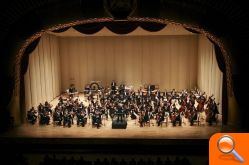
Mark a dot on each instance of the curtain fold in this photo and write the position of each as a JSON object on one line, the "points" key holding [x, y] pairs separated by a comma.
{"points": [[210, 77], [41, 81], [25, 58], [222, 67], [152, 27], [118, 27], [89, 28], [122, 27], [219, 58]]}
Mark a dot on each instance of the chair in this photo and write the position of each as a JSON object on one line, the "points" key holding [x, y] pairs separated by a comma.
{"points": [[56, 123], [103, 119], [165, 121], [200, 120], [147, 123]]}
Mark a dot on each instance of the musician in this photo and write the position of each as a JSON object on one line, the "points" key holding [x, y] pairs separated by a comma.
{"points": [[113, 85], [31, 115], [48, 107], [212, 111], [96, 118], [44, 117], [178, 118], [149, 89], [72, 89], [133, 103], [173, 93], [111, 110], [120, 112], [58, 116], [67, 119], [193, 115], [160, 118], [81, 118], [142, 118], [87, 89], [133, 114], [40, 108], [146, 116]]}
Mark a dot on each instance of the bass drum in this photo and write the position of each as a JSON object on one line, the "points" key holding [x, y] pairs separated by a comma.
{"points": [[94, 86]]}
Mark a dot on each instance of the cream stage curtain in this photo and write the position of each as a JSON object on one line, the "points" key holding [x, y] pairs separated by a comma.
{"points": [[42, 79], [209, 75], [167, 61], [172, 62]]}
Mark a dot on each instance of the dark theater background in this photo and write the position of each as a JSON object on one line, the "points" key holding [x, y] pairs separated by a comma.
{"points": [[154, 53]]}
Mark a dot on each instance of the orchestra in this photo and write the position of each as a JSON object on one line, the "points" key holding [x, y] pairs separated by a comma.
{"points": [[142, 105]]}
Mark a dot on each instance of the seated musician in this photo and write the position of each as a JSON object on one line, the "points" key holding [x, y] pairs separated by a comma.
{"points": [[44, 116], [67, 119], [192, 115], [149, 89], [113, 88], [160, 118], [146, 116], [96, 118], [112, 111], [122, 89], [141, 118], [87, 89], [176, 117], [47, 105], [60, 99], [40, 108], [81, 118], [31, 115], [133, 114], [212, 113], [72, 90], [57, 115]]}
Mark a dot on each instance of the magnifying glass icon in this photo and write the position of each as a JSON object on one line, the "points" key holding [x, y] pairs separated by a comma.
{"points": [[226, 145]]}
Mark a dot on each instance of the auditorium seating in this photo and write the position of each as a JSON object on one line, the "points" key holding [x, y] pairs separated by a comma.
{"points": [[71, 159]]}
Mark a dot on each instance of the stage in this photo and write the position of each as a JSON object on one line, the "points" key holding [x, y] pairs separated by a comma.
{"points": [[133, 130]]}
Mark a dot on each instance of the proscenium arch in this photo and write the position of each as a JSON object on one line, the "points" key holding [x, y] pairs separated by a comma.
{"points": [[59, 27], [19, 44]]}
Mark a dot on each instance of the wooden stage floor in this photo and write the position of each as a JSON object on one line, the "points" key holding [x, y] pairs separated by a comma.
{"points": [[133, 130]]}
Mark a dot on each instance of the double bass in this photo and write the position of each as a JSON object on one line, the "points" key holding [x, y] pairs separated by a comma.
{"points": [[211, 112]]}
